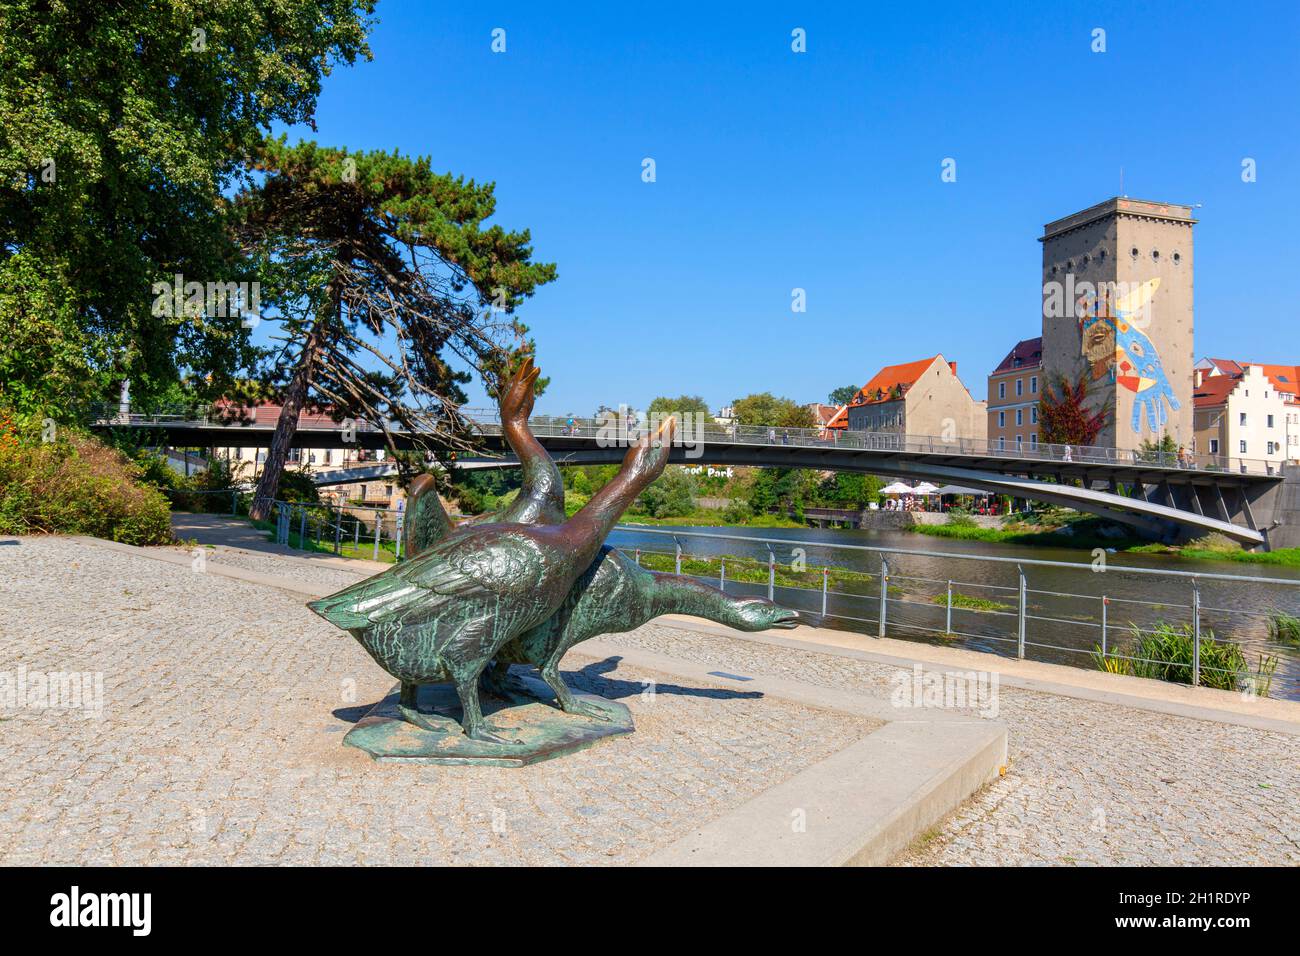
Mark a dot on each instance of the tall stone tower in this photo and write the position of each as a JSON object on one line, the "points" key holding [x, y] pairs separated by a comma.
{"points": [[1117, 310]]}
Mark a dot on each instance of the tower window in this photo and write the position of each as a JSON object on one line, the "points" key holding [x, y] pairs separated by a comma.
{"points": [[1177, 258], [1155, 254], [1134, 252]]}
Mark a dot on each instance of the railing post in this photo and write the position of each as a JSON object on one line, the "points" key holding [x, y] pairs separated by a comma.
{"points": [[1020, 615], [302, 529], [826, 573], [884, 596], [356, 533], [338, 532], [1196, 632], [234, 502], [677, 562], [379, 529], [398, 523], [771, 574], [722, 574], [948, 625]]}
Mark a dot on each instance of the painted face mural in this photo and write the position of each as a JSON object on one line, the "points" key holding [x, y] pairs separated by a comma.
{"points": [[1113, 342]]}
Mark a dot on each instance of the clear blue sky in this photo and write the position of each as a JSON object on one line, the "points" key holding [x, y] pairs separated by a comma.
{"points": [[822, 171]]}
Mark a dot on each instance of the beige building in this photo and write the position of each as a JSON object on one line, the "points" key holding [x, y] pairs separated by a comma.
{"points": [[1271, 410], [1117, 310], [1014, 389], [924, 398], [1241, 419]]}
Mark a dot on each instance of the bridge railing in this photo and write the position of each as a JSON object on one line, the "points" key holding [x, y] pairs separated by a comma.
{"points": [[706, 432], [695, 430], [1207, 629]]}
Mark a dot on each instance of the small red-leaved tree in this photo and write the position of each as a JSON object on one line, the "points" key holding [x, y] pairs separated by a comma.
{"points": [[1062, 417]]}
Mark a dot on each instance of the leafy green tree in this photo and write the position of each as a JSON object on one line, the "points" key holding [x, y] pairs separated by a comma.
{"points": [[672, 495], [842, 395], [121, 124], [764, 408], [374, 248], [663, 407]]}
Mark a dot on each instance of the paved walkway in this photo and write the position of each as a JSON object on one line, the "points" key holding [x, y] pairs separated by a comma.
{"points": [[224, 701]]}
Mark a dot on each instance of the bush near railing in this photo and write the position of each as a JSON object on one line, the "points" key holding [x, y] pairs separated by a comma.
{"points": [[1165, 652], [1284, 628]]}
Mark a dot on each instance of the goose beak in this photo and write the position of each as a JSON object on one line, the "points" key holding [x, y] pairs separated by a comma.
{"points": [[667, 429]]}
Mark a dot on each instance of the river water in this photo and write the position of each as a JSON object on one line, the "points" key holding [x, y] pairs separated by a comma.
{"points": [[1064, 606]]}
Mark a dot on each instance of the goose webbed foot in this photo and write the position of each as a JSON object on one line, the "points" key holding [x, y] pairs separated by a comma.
{"points": [[472, 715], [408, 707]]}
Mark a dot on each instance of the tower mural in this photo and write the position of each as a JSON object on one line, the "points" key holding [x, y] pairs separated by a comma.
{"points": [[1117, 310]]}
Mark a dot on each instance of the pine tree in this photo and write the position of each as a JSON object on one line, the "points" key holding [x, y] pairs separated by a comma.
{"points": [[378, 268]]}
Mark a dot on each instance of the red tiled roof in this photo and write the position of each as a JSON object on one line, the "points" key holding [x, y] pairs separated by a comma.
{"points": [[1029, 354], [824, 414], [1214, 390], [1226, 366], [891, 377], [1285, 377]]}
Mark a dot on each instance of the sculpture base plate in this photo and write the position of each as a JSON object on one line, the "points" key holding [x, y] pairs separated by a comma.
{"points": [[546, 731]]}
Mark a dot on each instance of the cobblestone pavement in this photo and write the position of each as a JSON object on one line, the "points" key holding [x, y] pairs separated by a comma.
{"points": [[306, 570], [224, 704], [1087, 782]]}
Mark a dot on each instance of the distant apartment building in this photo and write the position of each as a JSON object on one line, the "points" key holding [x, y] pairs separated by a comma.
{"points": [[1118, 313], [916, 398], [1248, 410], [246, 462], [1014, 389], [823, 415]]}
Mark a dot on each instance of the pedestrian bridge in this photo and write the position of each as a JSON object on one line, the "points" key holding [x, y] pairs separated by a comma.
{"points": [[1165, 495]]}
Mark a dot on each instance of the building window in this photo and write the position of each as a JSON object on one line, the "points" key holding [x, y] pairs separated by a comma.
{"points": [[1020, 417], [1214, 446], [1020, 442], [1033, 440], [1002, 419], [1243, 446], [1020, 386], [1243, 418], [1033, 415], [1270, 419], [1002, 389], [1033, 385], [1002, 444], [1270, 448]]}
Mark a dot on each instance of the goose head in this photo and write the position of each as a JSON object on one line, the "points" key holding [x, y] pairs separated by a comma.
{"points": [[646, 459], [760, 614]]}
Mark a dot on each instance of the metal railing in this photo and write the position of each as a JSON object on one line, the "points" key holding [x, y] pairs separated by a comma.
{"points": [[696, 430], [347, 530], [1097, 624]]}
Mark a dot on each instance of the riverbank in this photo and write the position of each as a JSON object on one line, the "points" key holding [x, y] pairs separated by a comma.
{"points": [[1091, 536]]}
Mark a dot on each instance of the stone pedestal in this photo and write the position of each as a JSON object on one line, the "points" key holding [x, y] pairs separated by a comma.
{"points": [[545, 730]]}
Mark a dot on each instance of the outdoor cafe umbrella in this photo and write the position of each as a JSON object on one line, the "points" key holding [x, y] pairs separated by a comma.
{"points": [[897, 488], [959, 490], [925, 488]]}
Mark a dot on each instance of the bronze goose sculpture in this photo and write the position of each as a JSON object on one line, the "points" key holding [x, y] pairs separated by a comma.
{"points": [[447, 612], [614, 594]]}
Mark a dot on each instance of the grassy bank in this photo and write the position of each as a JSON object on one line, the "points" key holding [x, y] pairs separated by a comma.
{"points": [[1083, 533], [714, 519]]}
